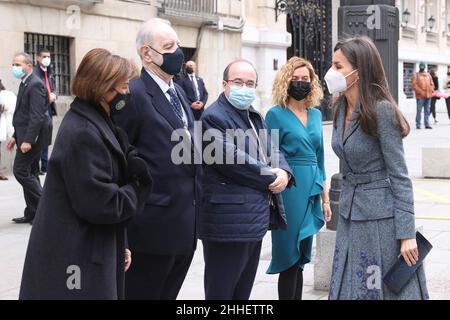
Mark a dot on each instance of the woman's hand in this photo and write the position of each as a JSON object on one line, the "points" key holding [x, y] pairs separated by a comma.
{"points": [[127, 259], [327, 213], [409, 251]]}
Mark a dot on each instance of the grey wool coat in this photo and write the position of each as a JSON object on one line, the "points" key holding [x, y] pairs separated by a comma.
{"points": [[376, 209]]}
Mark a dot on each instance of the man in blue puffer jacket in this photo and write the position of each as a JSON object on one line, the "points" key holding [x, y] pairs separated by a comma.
{"points": [[241, 188]]}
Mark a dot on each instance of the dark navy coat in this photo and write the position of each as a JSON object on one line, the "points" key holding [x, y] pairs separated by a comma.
{"points": [[81, 218], [236, 198], [167, 225]]}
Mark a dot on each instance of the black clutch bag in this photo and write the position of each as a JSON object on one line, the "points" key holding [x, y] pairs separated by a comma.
{"points": [[400, 273], [277, 216]]}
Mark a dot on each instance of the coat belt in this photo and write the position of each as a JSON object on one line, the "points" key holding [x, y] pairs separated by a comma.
{"points": [[307, 160], [362, 178]]}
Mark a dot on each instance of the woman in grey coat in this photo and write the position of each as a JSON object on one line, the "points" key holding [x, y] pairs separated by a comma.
{"points": [[376, 221]]}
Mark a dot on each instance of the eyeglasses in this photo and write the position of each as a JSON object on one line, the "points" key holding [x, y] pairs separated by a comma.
{"points": [[239, 83]]}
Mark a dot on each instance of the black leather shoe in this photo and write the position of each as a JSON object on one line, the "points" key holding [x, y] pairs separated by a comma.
{"points": [[42, 173], [22, 220], [428, 128]]}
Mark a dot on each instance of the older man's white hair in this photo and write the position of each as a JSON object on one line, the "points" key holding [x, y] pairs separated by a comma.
{"points": [[145, 33]]}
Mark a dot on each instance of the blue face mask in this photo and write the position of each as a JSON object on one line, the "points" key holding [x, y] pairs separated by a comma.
{"points": [[242, 98], [18, 72]]}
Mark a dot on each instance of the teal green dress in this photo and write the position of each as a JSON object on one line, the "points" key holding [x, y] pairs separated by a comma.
{"points": [[303, 149]]}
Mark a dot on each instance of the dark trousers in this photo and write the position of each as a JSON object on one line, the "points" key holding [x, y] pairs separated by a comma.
{"points": [[44, 159], [26, 171], [433, 107], [230, 269], [44, 154], [447, 101], [290, 283], [154, 277]]}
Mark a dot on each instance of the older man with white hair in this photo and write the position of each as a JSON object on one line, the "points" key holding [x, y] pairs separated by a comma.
{"points": [[162, 238]]}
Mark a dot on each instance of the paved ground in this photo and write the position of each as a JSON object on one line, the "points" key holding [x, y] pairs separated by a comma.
{"points": [[432, 211]]}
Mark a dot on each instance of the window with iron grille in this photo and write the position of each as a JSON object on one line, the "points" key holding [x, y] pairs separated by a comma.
{"points": [[59, 48], [408, 72]]}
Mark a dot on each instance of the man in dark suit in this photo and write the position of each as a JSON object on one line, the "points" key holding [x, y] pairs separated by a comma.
{"points": [[31, 124], [43, 70], [195, 89], [163, 237]]}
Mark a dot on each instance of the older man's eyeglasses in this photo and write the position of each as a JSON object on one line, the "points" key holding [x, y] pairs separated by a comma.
{"points": [[239, 83]]}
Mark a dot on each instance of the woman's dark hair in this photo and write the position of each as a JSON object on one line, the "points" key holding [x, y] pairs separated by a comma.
{"points": [[363, 55], [2, 87], [433, 73], [42, 50]]}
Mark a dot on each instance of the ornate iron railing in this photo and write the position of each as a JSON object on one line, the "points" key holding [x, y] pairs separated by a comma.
{"points": [[310, 23]]}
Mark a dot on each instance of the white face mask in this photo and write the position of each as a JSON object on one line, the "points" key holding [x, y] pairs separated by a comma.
{"points": [[46, 61], [336, 81]]}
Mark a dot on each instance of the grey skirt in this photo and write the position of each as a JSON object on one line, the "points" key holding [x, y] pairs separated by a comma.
{"points": [[365, 251]]}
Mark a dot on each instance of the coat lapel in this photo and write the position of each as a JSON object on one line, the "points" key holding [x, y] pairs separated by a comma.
{"points": [[88, 112], [22, 88], [159, 100], [353, 125], [240, 118]]}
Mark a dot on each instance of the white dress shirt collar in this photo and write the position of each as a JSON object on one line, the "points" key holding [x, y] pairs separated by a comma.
{"points": [[160, 82], [24, 79]]}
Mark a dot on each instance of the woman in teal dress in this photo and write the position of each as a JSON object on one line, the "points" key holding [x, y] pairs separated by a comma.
{"points": [[296, 90]]}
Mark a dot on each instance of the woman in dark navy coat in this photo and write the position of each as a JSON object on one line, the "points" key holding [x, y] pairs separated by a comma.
{"points": [[95, 184]]}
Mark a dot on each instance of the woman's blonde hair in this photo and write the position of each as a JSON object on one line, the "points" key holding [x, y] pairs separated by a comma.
{"points": [[284, 78]]}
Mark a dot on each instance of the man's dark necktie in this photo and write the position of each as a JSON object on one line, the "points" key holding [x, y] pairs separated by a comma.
{"points": [[176, 105]]}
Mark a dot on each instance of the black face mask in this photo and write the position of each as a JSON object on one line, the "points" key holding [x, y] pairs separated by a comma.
{"points": [[172, 62], [189, 70], [299, 90], [119, 102]]}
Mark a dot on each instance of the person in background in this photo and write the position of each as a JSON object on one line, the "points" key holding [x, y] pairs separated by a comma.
{"points": [[7, 106], [77, 248], [423, 87], [195, 89], [447, 91], [296, 91], [44, 71], [31, 128], [434, 98]]}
